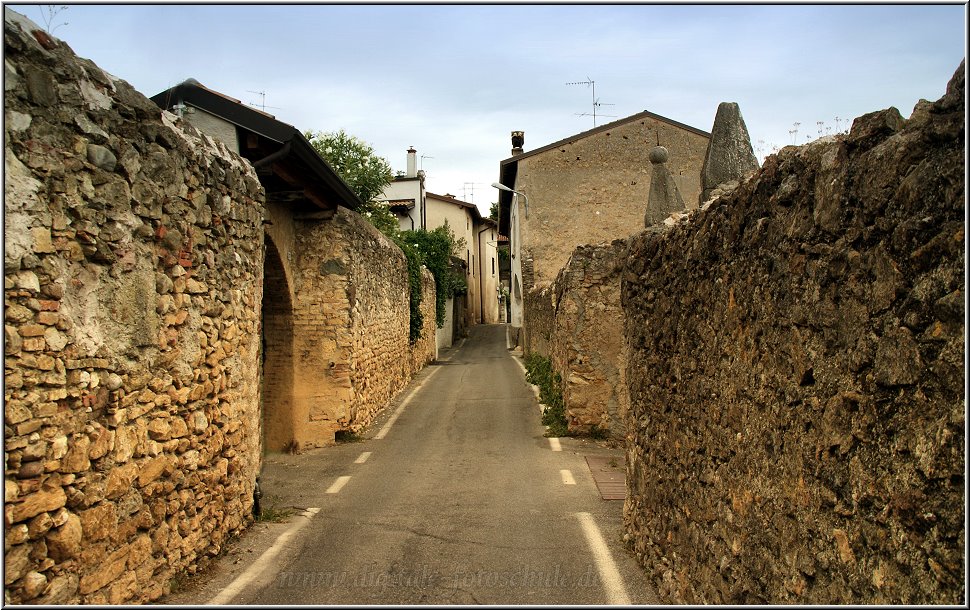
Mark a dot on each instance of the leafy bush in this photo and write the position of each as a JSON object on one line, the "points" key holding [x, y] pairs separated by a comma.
{"points": [[539, 372]]}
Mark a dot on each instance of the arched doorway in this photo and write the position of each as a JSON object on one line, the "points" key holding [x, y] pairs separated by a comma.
{"points": [[276, 395]]}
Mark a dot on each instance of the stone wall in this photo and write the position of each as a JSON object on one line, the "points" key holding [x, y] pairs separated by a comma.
{"points": [[539, 321], [587, 346], [796, 376], [350, 314], [133, 275]]}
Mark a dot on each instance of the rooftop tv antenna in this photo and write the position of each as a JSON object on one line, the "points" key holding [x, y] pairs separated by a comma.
{"points": [[423, 157], [468, 191], [596, 103], [262, 103]]}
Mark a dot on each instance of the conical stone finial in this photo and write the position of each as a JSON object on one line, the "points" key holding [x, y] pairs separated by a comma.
{"points": [[664, 198], [729, 153]]}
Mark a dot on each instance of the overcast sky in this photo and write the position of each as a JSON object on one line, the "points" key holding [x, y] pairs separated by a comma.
{"points": [[453, 81]]}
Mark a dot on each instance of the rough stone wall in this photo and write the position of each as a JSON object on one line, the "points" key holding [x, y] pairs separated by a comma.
{"points": [[586, 346], [595, 189], [796, 376], [351, 309], [425, 349], [132, 284], [539, 321]]}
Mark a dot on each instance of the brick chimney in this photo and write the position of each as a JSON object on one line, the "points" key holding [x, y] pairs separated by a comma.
{"points": [[412, 163], [518, 139]]}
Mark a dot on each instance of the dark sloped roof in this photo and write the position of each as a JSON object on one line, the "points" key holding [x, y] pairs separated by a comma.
{"points": [[297, 165], [585, 134], [477, 215]]}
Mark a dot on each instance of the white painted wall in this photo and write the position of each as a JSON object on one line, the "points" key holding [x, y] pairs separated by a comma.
{"points": [[444, 335]]}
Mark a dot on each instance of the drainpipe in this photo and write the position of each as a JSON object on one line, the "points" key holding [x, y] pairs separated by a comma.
{"points": [[481, 279], [273, 157], [424, 205]]}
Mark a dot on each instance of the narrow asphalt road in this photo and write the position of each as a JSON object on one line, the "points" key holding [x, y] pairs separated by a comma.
{"points": [[454, 496]]}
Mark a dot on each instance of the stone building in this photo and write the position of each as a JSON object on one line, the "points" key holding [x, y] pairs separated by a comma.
{"points": [[170, 312], [589, 188]]}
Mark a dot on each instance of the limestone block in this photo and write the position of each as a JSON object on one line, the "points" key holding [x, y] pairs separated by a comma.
{"points": [[33, 584], [16, 563], [159, 429], [99, 521], [152, 469], [56, 340], [126, 439], [37, 502], [16, 534], [107, 571], [119, 480], [39, 525], [10, 491], [62, 589], [123, 589], [101, 442], [76, 459], [64, 542]]}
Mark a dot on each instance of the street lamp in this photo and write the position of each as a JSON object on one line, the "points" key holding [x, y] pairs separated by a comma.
{"points": [[502, 187]]}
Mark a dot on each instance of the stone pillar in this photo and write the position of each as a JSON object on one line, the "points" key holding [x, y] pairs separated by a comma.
{"points": [[729, 153], [664, 198]]}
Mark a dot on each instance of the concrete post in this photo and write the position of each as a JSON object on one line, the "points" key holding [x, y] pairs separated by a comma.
{"points": [[664, 198], [729, 153]]}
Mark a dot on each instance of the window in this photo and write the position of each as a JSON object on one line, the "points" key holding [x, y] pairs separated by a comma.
{"points": [[493, 265]]}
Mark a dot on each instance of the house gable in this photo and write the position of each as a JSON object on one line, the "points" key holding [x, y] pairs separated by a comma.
{"points": [[290, 169], [508, 168], [593, 187]]}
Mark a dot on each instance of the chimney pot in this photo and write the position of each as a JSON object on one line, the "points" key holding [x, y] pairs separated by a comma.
{"points": [[518, 139], [412, 162]]}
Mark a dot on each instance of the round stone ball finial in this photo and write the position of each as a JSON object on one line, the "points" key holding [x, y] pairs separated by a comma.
{"points": [[658, 154]]}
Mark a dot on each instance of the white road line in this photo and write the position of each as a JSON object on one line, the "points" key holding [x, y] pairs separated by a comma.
{"points": [[609, 574], [534, 387], [363, 457], [262, 564], [567, 477], [521, 366], [387, 427], [338, 485], [554, 444]]}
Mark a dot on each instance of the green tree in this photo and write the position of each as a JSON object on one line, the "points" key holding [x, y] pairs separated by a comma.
{"points": [[364, 172], [493, 211]]}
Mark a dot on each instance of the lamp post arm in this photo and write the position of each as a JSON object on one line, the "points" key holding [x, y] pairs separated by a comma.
{"points": [[526, 197]]}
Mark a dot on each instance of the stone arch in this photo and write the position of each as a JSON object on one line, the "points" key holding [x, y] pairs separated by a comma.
{"points": [[276, 354]]}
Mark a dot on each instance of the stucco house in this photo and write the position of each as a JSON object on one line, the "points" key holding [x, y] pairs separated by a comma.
{"points": [[416, 208], [481, 257], [407, 197], [589, 188]]}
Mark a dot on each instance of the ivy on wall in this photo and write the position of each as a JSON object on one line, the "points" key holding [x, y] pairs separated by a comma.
{"points": [[437, 249]]}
